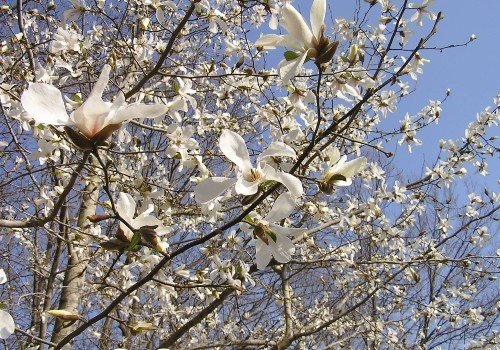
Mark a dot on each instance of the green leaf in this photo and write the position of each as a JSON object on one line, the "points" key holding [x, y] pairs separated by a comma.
{"points": [[136, 238], [290, 55], [272, 235]]}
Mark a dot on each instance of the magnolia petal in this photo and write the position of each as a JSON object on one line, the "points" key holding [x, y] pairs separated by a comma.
{"points": [[277, 149], [333, 156], [282, 208], [318, 10], [269, 41], [7, 325], [125, 205], [101, 83], [353, 167], [3, 276], [263, 254], [44, 103], [246, 188], [292, 183], [234, 148], [295, 25], [283, 249], [138, 110], [289, 69], [211, 188], [286, 231]]}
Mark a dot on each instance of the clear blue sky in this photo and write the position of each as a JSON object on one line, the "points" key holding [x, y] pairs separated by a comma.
{"points": [[472, 72]]}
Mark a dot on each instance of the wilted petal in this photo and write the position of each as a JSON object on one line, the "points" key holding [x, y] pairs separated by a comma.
{"points": [[234, 148], [318, 10], [278, 149], [45, 105], [282, 208], [295, 25], [269, 41], [7, 325], [289, 69], [211, 188]]}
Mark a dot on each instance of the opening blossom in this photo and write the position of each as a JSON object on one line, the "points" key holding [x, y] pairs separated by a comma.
{"points": [[339, 171], [95, 119], [305, 43], [248, 177], [271, 239]]}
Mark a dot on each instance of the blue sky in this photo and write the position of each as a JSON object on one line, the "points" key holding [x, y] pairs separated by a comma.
{"points": [[472, 72]]}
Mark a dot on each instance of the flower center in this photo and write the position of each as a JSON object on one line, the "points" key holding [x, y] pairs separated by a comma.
{"points": [[253, 175]]}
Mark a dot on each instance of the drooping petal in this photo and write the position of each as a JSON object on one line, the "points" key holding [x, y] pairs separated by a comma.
{"points": [[7, 325], [138, 110], [234, 148], [318, 10], [289, 69], [45, 105], [211, 188], [269, 41], [277, 149], [282, 208], [295, 25], [292, 183], [263, 254], [283, 249], [286, 231]]}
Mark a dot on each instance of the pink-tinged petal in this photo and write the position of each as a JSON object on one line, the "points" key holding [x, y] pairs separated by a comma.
{"points": [[263, 254], [282, 208], [295, 25], [246, 188], [234, 148], [7, 325], [318, 10], [45, 105], [277, 149], [211, 188], [269, 41], [289, 69]]}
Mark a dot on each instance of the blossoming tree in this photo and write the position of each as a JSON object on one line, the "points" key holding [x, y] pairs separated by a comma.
{"points": [[200, 174]]}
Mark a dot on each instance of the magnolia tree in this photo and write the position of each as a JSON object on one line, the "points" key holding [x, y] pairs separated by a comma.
{"points": [[220, 174]]}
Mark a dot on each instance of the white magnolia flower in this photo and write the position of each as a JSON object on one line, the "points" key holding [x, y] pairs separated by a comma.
{"points": [[7, 325], [339, 171], [248, 177], [74, 13], [271, 239], [95, 118], [305, 42], [422, 10], [126, 207]]}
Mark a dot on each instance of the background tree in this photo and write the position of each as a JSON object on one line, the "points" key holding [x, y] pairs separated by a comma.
{"points": [[138, 223]]}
